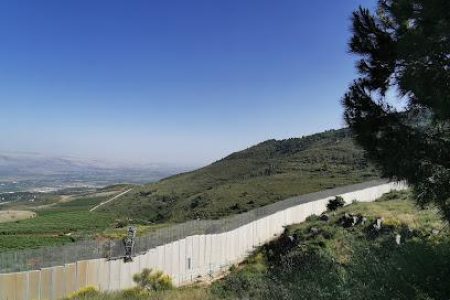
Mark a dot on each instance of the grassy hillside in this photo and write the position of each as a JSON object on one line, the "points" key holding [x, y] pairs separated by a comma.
{"points": [[334, 262], [337, 262], [260, 175]]}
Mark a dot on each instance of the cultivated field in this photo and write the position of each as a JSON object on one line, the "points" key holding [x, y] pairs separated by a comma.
{"points": [[57, 219], [15, 215]]}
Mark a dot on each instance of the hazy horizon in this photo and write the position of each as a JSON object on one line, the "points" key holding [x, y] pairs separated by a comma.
{"points": [[173, 82]]}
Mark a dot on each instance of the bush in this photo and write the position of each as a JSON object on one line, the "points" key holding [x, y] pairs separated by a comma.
{"points": [[83, 293], [134, 293], [241, 284], [335, 203], [152, 280]]}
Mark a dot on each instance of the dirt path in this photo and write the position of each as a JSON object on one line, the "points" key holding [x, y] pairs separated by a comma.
{"points": [[112, 199]]}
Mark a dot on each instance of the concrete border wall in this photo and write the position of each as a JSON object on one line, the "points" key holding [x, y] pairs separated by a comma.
{"points": [[184, 260]]}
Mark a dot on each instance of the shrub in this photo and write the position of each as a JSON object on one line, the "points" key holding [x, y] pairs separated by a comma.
{"points": [[85, 292], [242, 284], [134, 293], [121, 223], [335, 203], [152, 280]]}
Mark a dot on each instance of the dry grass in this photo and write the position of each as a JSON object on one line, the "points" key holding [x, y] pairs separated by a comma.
{"points": [[343, 252], [184, 294], [187, 293], [401, 212], [15, 215]]}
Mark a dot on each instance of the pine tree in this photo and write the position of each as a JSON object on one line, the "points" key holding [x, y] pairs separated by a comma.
{"points": [[404, 49]]}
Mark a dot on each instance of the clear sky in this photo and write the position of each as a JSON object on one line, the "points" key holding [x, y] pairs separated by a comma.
{"points": [[169, 81]]}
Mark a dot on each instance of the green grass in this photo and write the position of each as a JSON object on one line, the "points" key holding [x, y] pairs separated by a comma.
{"points": [[141, 230], [260, 175], [82, 203]]}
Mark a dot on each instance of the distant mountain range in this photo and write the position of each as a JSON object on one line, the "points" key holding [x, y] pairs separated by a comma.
{"points": [[32, 171]]}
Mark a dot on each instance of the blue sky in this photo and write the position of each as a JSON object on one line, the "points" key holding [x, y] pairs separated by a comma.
{"points": [[169, 81]]}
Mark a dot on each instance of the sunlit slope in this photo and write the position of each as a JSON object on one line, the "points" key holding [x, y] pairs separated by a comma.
{"points": [[262, 174]]}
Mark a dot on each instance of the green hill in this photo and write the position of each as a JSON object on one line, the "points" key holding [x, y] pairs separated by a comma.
{"points": [[268, 172]]}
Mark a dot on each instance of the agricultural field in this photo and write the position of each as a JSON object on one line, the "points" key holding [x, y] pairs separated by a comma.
{"points": [[26, 199], [15, 215], [64, 219]]}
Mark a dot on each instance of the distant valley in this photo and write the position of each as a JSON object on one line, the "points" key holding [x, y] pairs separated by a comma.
{"points": [[37, 172]]}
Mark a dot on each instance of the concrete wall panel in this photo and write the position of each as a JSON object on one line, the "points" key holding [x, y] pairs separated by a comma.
{"points": [[223, 249], [81, 274], [175, 262], [59, 283], [92, 273], [103, 274], [215, 251], [168, 258], [46, 283], [153, 259], [21, 286], [160, 257], [201, 255], [7, 285], [135, 268], [125, 275], [233, 241], [182, 256], [114, 274], [195, 262], [34, 285], [242, 238], [188, 259], [70, 278], [208, 251]]}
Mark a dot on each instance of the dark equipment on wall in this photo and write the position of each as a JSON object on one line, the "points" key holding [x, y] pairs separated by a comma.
{"points": [[129, 243]]}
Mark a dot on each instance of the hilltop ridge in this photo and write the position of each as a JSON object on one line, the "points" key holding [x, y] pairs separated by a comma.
{"points": [[259, 175]]}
